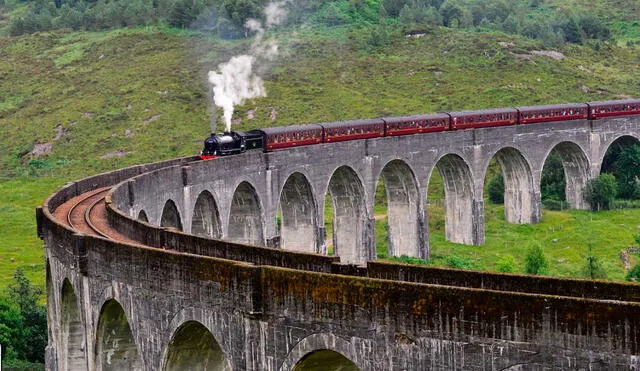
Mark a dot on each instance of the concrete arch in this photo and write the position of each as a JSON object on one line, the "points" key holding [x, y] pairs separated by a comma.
{"points": [[171, 216], [245, 216], [576, 172], [299, 226], [193, 347], [142, 216], [521, 205], [315, 343], [116, 348], [403, 205], [459, 199], [352, 229], [206, 217], [72, 336]]}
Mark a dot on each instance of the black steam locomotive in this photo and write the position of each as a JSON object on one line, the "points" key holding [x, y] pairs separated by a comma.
{"points": [[230, 143]]}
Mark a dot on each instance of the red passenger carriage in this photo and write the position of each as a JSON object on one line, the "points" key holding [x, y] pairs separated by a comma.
{"points": [[556, 112], [416, 124], [483, 118], [351, 130], [614, 108], [291, 136]]}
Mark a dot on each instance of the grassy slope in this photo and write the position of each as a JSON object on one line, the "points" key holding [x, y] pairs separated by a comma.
{"points": [[91, 89]]}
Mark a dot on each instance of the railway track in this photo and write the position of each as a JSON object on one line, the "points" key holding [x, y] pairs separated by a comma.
{"points": [[86, 214]]}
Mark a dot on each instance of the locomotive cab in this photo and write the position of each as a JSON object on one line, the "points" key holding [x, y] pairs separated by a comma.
{"points": [[227, 143]]}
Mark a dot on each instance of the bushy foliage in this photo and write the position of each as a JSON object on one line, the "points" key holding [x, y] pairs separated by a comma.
{"points": [[593, 267], [634, 273], [458, 262], [507, 264], [552, 184], [601, 192], [23, 321], [626, 169], [536, 261], [496, 189]]}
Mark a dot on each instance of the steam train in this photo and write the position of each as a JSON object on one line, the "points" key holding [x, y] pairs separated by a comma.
{"points": [[270, 139]]}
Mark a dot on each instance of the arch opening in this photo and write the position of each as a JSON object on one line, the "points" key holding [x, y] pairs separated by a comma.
{"points": [[193, 347], [142, 216], [566, 180], [325, 360], [298, 227], [349, 223], [206, 219], [245, 217], [171, 216], [72, 331], [621, 161], [401, 201], [520, 206], [457, 192], [115, 346]]}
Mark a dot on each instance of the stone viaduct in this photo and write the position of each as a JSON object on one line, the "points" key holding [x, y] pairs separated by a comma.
{"points": [[202, 286]]}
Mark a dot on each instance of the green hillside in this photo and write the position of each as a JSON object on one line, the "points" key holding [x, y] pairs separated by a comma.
{"points": [[74, 104]]}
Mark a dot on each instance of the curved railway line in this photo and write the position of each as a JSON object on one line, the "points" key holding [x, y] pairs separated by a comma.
{"points": [[86, 213]]}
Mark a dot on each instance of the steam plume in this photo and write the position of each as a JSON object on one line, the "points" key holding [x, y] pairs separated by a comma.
{"points": [[236, 79]]}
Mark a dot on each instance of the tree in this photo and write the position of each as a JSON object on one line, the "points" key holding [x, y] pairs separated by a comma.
{"points": [[238, 11], [496, 189], [594, 28], [10, 325], [626, 169], [572, 32], [393, 7], [535, 261], [552, 184], [511, 24], [601, 192], [34, 318], [418, 13], [452, 14]]}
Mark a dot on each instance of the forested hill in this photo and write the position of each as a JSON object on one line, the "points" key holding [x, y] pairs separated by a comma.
{"points": [[553, 21]]}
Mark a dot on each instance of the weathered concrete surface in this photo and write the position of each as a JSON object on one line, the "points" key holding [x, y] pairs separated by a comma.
{"points": [[243, 204], [115, 306]]}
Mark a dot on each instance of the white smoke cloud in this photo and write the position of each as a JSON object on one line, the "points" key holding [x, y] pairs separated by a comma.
{"points": [[236, 79]]}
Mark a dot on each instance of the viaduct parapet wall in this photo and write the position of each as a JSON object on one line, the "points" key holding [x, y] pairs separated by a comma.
{"points": [[178, 301]]}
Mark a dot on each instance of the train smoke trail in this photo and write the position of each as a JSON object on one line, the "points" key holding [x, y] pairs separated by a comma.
{"points": [[236, 80]]}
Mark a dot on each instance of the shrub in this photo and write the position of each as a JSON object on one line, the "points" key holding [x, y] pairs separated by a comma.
{"points": [[601, 192], [535, 261], [634, 274], [593, 267], [457, 262], [507, 264]]}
